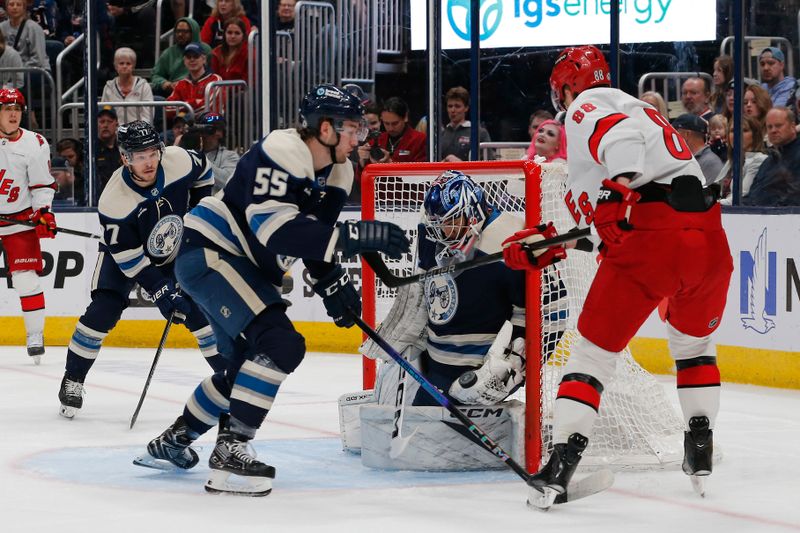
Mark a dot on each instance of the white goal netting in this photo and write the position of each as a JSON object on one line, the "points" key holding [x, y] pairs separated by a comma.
{"points": [[637, 426]]}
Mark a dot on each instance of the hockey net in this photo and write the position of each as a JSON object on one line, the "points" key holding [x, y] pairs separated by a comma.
{"points": [[637, 427]]}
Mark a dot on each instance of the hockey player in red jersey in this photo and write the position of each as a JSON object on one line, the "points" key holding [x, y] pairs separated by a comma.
{"points": [[635, 179], [26, 193]]}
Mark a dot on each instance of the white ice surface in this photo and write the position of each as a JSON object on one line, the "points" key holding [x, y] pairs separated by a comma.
{"points": [[58, 475]]}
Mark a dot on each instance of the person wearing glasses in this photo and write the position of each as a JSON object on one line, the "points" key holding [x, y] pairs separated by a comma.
{"points": [[169, 67]]}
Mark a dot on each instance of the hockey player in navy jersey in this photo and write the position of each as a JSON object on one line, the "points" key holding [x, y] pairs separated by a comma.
{"points": [[141, 211], [281, 203], [635, 179]]}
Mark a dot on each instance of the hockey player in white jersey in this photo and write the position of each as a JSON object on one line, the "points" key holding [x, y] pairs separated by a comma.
{"points": [[27, 190], [635, 179]]}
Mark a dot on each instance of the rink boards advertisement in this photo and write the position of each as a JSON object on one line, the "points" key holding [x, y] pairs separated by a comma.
{"points": [[763, 309]]}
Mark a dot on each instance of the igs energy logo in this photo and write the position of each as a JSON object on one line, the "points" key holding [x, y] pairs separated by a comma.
{"points": [[459, 16], [758, 298]]}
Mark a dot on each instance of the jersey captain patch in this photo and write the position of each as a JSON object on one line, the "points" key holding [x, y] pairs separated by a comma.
{"points": [[442, 297], [165, 236]]}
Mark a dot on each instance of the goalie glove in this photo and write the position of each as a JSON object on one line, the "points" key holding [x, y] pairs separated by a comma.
{"points": [[613, 212], [503, 370], [518, 256]]}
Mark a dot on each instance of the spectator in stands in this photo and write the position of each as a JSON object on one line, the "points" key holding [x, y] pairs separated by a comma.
{"points": [[656, 100], [455, 139], [45, 14], [178, 126], [108, 158], [695, 131], [192, 88], [134, 27], [10, 58], [25, 36], [723, 73], [62, 172], [128, 88], [779, 86], [777, 182], [399, 142], [229, 59], [222, 160], [536, 119], [755, 152], [170, 67], [372, 115], [695, 96], [285, 16], [550, 142], [756, 103], [213, 32], [72, 150], [718, 136]]}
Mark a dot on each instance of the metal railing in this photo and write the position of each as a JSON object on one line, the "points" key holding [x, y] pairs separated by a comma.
{"points": [[670, 85], [287, 94], [390, 27], [499, 150], [254, 78], [76, 131], [755, 44], [232, 100], [166, 36], [40, 97], [357, 53]]}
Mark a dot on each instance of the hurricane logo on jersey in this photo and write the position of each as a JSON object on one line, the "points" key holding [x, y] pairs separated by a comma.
{"points": [[442, 297], [165, 237]]}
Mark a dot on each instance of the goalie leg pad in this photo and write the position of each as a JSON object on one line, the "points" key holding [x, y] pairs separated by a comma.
{"points": [[350, 418], [437, 440], [405, 325]]}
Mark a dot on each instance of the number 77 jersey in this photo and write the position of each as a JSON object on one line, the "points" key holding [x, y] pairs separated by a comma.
{"points": [[609, 133]]}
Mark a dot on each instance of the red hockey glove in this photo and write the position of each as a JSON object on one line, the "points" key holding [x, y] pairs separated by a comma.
{"points": [[613, 212], [518, 255], [46, 223]]}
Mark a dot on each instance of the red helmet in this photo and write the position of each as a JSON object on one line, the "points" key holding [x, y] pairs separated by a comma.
{"points": [[580, 68], [12, 96]]}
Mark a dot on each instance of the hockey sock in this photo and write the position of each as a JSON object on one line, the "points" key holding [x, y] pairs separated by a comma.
{"points": [[208, 401], [254, 390], [83, 349], [576, 406], [698, 388], [31, 297], [207, 343]]}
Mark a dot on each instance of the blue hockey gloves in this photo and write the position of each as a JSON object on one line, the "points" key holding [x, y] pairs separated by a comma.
{"points": [[356, 237]]}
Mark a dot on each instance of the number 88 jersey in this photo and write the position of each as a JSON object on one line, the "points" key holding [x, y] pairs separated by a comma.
{"points": [[609, 133]]}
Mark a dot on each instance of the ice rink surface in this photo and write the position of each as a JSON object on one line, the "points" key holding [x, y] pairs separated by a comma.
{"points": [[58, 475]]}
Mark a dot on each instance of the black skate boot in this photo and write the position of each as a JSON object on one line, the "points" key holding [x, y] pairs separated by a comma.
{"points": [[233, 456], [698, 447], [35, 344], [171, 449], [70, 395], [552, 480]]}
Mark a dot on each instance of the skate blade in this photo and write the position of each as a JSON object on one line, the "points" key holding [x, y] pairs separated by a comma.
{"points": [[541, 500], [37, 359], [221, 482], [699, 484], [67, 412], [148, 461]]}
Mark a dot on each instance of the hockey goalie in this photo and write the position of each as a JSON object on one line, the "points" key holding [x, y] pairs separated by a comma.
{"points": [[465, 332]]}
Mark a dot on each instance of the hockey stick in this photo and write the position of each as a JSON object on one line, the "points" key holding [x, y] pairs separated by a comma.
{"points": [[57, 230], [399, 443], [377, 264], [581, 488], [152, 369]]}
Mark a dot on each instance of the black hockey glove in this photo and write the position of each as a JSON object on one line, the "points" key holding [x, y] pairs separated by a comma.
{"points": [[338, 294], [356, 237], [169, 300]]}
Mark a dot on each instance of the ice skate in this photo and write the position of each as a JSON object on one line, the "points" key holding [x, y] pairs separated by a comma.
{"points": [[552, 480], [71, 396], [35, 342], [698, 445], [171, 450], [235, 470]]}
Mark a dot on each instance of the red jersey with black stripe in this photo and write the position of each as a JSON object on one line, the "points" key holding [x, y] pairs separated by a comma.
{"points": [[609, 133]]}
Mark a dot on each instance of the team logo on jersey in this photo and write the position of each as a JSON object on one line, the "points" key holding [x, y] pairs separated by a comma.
{"points": [[442, 297], [285, 262], [165, 237], [758, 287]]}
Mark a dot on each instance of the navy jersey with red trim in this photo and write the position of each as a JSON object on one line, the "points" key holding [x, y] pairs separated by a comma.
{"points": [[275, 208], [143, 227], [609, 133], [466, 310]]}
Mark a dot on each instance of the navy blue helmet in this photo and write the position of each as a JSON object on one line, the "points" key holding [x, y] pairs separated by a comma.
{"points": [[455, 210], [137, 136], [328, 101]]}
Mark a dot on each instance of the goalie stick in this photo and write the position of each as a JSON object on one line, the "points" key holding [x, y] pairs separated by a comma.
{"points": [[161, 344], [375, 261], [59, 229], [587, 486]]}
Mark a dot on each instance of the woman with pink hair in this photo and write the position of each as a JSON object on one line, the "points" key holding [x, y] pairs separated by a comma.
{"points": [[550, 142]]}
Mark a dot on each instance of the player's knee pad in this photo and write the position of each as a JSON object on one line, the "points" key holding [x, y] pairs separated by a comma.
{"points": [[272, 333], [588, 358], [104, 311], [26, 282], [684, 346]]}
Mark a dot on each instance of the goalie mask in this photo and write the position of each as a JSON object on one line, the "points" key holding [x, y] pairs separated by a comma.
{"points": [[455, 211]]}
